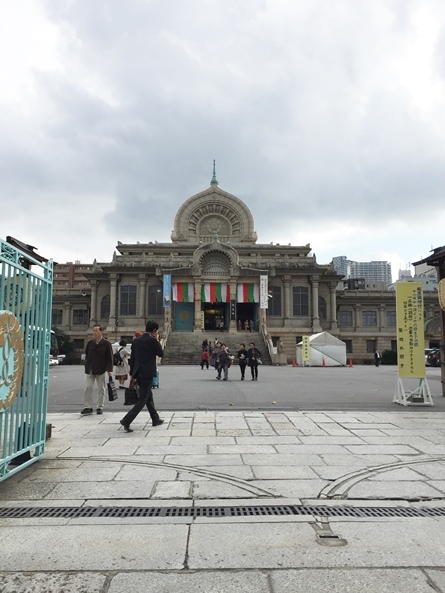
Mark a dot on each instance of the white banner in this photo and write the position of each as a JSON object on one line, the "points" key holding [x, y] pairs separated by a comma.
{"points": [[263, 292]]}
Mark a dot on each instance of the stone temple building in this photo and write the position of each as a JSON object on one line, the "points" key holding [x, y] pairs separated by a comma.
{"points": [[222, 277]]}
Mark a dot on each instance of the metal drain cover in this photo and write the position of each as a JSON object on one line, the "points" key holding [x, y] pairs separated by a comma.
{"points": [[225, 511]]}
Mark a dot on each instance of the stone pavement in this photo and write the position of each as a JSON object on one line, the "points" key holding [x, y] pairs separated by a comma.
{"points": [[231, 459]]}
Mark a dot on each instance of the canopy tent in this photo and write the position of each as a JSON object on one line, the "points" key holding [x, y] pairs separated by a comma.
{"points": [[323, 347]]}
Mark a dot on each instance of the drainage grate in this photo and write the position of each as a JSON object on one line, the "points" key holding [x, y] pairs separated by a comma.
{"points": [[238, 511]]}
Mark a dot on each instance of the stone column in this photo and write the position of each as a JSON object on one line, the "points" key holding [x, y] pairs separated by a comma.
{"points": [[197, 289], [287, 300], [66, 320], [382, 316], [142, 278], [113, 300], [316, 327], [358, 316], [333, 293], [93, 314]]}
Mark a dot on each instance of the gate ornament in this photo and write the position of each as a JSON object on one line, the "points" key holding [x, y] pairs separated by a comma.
{"points": [[11, 358]]}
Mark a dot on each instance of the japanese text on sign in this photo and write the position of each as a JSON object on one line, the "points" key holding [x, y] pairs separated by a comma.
{"points": [[410, 331]]}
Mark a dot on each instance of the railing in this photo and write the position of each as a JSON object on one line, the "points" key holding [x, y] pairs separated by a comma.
{"points": [[267, 340], [25, 340]]}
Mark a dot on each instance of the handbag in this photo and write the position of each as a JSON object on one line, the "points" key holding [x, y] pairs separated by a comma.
{"points": [[212, 361], [259, 361], [131, 396], [112, 392]]}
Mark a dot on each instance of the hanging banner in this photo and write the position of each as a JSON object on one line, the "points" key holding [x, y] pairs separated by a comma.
{"points": [[264, 290], [410, 332], [215, 292], [183, 292], [166, 300], [306, 349], [247, 293]]}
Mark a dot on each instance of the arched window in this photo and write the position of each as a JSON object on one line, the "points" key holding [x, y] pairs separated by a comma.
{"points": [[105, 307], [322, 308], [128, 300], [215, 264]]}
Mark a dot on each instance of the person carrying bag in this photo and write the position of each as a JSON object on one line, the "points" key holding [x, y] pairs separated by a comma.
{"points": [[112, 391]]}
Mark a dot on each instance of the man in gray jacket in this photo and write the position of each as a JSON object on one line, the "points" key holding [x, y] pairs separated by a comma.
{"points": [[98, 362], [144, 351]]}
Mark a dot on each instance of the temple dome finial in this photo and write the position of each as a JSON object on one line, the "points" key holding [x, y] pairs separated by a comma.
{"points": [[214, 179]]}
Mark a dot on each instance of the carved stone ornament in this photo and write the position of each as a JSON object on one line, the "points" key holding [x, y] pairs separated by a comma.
{"points": [[12, 356]]}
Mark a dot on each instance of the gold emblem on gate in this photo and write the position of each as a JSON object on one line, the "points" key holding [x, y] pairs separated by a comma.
{"points": [[12, 358], [184, 315]]}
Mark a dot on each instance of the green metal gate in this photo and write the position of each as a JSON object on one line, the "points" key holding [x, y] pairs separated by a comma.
{"points": [[25, 337]]}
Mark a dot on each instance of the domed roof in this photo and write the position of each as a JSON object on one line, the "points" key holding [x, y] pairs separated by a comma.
{"points": [[211, 212]]}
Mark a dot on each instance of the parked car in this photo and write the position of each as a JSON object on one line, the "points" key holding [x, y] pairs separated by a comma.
{"points": [[433, 358], [53, 360], [61, 358]]}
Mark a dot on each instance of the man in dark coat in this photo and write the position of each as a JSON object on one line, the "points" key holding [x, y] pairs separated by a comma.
{"points": [[98, 362], [144, 351]]}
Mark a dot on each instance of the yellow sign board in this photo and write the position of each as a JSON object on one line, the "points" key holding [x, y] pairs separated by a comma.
{"points": [[306, 349], [410, 329]]}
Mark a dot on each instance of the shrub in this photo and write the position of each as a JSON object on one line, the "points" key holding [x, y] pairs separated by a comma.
{"points": [[389, 357]]}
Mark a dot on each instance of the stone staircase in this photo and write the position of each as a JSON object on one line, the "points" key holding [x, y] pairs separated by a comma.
{"points": [[185, 347]]}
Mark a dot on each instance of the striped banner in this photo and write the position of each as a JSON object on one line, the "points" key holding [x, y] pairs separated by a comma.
{"points": [[215, 292], [183, 292], [247, 293]]}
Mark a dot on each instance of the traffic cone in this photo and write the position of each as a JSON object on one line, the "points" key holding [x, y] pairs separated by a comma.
{"points": [[350, 363], [323, 364], [294, 363]]}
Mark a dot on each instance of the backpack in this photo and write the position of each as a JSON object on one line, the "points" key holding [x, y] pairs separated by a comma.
{"points": [[117, 360]]}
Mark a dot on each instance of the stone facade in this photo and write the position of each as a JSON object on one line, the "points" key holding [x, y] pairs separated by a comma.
{"points": [[214, 242]]}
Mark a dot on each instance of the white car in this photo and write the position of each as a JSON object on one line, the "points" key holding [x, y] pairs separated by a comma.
{"points": [[52, 361]]}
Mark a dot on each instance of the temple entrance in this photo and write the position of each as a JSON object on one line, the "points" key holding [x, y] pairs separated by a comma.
{"points": [[216, 316], [247, 312]]}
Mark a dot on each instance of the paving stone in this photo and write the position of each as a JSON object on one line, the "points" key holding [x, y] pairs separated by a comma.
{"points": [[401, 474], [331, 440], [203, 460], [82, 474], [116, 489], [280, 459], [111, 452], [145, 473], [434, 470], [292, 488], [311, 449], [191, 582], [283, 472], [172, 450], [358, 460], [408, 490], [218, 489], [381, 449], [438, 578], [293, 545], [172, 490], [351, 581], [47, 582], [240, 449], [76, 546]]}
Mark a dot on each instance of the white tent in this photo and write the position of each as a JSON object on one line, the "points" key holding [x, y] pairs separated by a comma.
{"points": [[323, 347]]}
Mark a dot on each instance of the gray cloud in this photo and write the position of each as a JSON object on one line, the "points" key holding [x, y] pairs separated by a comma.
{"points": [[310, 109]]}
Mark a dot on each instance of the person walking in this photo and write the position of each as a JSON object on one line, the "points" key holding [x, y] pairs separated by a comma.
{"points": [[98, 363], [205, 359], [253, 356], [122, 369], [215, 355], [242, 359], [224, 361], [144, 351], [377, 358]]}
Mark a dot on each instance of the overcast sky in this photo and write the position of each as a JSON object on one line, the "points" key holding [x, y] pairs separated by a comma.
{"points": [[326, 117]]}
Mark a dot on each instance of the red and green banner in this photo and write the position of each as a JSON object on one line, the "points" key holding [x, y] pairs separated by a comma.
{"points": [[247, 293], [215, 292], [183, 292]]}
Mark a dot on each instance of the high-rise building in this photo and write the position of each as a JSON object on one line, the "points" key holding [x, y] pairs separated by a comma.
{"points": [[373, 271]]}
